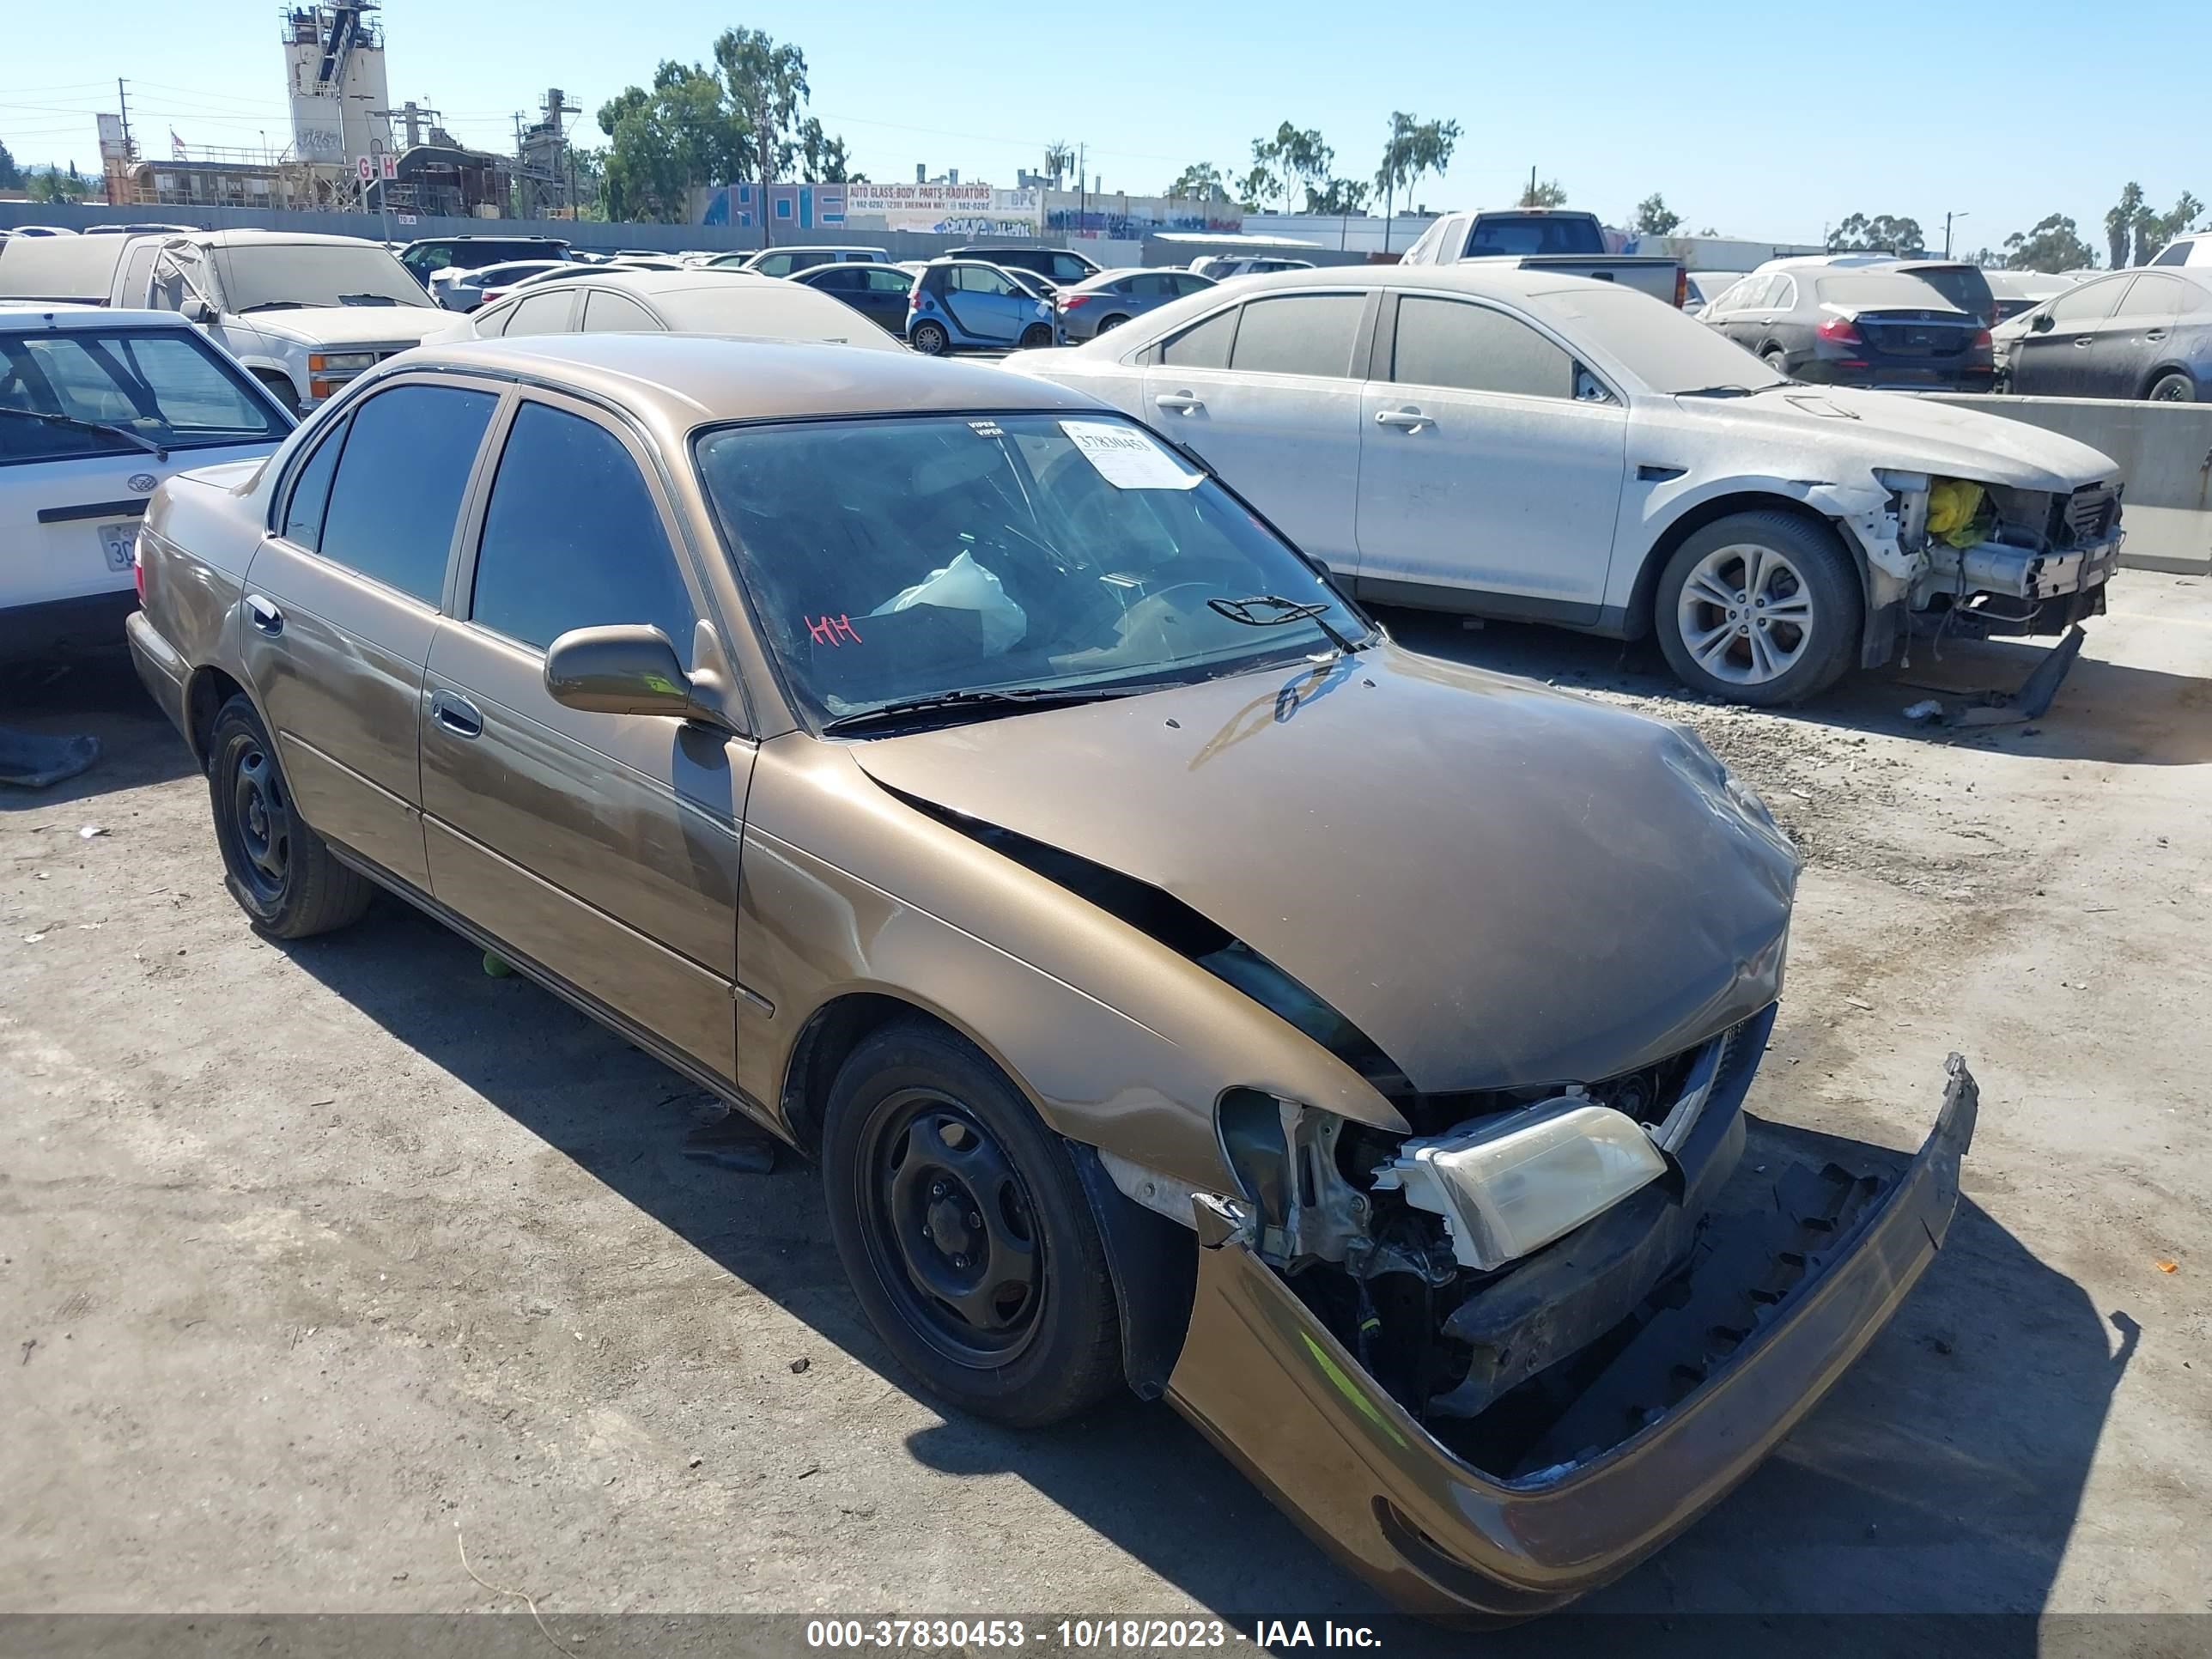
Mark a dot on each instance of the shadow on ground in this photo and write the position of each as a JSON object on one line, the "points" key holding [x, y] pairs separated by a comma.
{"points": [[96, 693], [1941, 1475], [2103, 711]]}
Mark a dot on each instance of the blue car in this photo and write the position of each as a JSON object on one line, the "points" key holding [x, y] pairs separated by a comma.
{"points": [[965, 305]]}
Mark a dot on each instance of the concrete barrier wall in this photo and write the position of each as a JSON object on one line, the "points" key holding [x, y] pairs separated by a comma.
{"points": [[2164, 452]]}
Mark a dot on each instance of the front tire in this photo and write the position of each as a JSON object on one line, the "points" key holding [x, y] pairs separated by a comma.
{"points": [[2174, 388], [1759, 607], [930, 339], [1779, 361], [1037, 335], [962, 1225], [282, 874]]}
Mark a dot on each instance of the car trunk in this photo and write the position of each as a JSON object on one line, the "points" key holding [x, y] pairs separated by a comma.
{"points": [[1934, 337]]}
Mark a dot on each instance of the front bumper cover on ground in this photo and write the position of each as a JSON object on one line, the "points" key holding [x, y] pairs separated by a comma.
{"points": [[1269, 1385]]}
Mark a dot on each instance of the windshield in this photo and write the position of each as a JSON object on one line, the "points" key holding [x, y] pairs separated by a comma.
{"points": [[1964, 286], [313, 274], [1880, 287], [889, 560], [1656, 344], [167, 385]]}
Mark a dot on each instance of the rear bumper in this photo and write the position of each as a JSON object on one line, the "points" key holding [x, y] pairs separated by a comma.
{"points": [[60, 628], [160, 670], [1269, 1385]]}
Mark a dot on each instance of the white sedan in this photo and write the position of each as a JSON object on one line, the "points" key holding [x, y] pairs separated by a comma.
{"points": [[1483, 439]]}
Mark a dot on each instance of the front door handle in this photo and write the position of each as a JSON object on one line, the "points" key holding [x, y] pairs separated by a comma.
{"points": [[263, 615], [2083, 339], [1410, 420], [457, 715], [1182, 401], [2155, 334]]}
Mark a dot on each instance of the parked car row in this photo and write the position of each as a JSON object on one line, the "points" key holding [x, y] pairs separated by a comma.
{"points": [[1394, 1155]]}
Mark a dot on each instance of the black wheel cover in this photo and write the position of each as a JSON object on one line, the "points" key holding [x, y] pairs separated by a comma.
{"points": [[254, 821]]}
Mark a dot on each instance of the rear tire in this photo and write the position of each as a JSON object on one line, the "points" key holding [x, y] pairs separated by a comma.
{"points": [[965, 1230], [1106, 323], [282, 874], [1036, 335], [1759, 607], [1779, 361], [930, 339], [2174, 388]]}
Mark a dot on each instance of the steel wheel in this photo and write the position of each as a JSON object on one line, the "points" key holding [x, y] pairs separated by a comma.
{"points": [[261, 817], [1745, 614], [949, 1228]]}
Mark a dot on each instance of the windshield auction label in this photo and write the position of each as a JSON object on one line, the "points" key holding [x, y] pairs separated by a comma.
{"points": [[1126, 458]]}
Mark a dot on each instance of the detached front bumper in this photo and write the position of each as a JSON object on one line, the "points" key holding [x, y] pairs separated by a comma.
{"points": [[1269, 1385]]}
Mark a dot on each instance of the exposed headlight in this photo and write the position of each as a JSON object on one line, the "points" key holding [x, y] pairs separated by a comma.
{"points": [[341, 362], [1506, 1189]]}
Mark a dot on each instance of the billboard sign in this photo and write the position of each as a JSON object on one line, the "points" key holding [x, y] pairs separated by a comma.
{"points": [[946, 209]]}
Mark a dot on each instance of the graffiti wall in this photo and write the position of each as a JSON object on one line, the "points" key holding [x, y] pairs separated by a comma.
{"points": [[1131, 218]]}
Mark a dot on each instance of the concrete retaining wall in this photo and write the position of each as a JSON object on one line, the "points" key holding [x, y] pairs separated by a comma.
{"points": [[2165, 455]]}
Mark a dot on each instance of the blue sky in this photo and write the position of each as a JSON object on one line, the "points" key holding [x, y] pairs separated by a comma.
{"points": [[1772, 132]]}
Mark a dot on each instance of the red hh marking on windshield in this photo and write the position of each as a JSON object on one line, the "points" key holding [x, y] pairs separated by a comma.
{"points": [[827, 629]]}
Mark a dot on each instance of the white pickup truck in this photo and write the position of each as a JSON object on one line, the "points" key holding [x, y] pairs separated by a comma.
{"points": [[304, 313], [1552, 239]]}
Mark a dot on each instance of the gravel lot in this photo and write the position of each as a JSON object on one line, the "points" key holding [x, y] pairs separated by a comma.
{"points": [[312, 1255]]}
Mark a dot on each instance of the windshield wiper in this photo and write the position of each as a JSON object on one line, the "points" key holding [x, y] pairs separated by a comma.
{"points": [[70, 421], [367, 299], [272, 305], [1004, 700], [1285, 611], [1731, 390]]}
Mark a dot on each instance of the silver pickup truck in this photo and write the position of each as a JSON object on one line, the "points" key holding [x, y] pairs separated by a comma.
{"points": [[1547, 239]]}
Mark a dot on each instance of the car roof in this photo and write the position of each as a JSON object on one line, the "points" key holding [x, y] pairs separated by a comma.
{"points": [[649, 280], [1503, 280], [685, 380], [64, 267], [21, 316], [227, 239]]}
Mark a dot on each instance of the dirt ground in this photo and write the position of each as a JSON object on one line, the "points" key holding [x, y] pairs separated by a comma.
{"points": [[316, 1258]]}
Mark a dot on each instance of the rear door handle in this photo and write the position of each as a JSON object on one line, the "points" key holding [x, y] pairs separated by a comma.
{"points": [[2155, 334], [1412, 420], [457, 715], [1179, 400], [263, 615], [2083, 339]]}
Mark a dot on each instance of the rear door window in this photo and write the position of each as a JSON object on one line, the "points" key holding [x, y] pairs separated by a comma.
{"points": [[608, 314], [1472, 348], [2153, 298], [541, 314], [1299, 334], [1067, 268], [886, 279], [572, 538], [399, 484], [1203, 345]]}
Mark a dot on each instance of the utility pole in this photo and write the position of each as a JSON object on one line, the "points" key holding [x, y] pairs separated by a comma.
{"points": [[123, 99], [1948, 217], [1082, 185]]}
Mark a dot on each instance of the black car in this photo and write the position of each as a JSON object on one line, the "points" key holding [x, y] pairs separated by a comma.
{"points": [[1060, 266], [877, 292], [475, 252], [1964, 285], [2131, 334], [1861, 326]]}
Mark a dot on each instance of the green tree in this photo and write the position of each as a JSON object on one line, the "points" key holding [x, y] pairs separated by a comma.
{"points": [[1708, 231], [1286, 164], [2120, 220], [11, 176], [1414, 149], [55, 185], [1257, 187], [1059, 162], [822, 159], [1548, 194], [1198, 182], [2054, 245], [1655, 218], [1342, 196], [2154, 230], [767, 83], [1882, 234], [668, 140]]}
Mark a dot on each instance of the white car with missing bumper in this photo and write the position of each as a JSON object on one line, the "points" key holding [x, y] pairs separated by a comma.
{"points": [[1513, 443], [97, 408]]}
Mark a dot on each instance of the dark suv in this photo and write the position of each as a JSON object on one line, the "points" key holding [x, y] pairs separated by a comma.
{"points": [[1060, 266], [475, 252]]}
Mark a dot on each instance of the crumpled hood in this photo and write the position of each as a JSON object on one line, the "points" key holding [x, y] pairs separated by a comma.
{"points": [[1911, 433], [1501, 886], [345, 326]]}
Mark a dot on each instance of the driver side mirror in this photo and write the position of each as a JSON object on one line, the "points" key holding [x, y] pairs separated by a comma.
{"points": [[196, 310], [2042, 325], [629, 670]]}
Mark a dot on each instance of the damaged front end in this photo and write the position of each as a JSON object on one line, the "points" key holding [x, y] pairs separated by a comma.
{"points": [[1494, 1364], [1977, 559]]}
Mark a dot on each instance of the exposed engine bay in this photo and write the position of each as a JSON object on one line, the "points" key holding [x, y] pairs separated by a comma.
{"points": [[1993, 559]]}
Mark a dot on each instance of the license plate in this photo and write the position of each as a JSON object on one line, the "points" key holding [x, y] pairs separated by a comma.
{"points": [[119, 541], [1919, 336]]}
